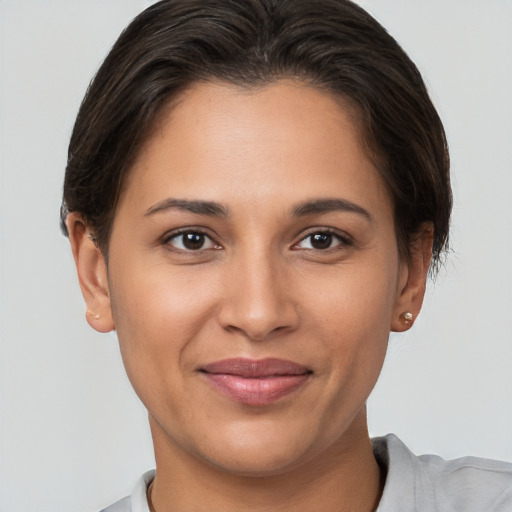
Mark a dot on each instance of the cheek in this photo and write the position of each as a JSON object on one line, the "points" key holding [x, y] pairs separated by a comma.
{"points": [[352, 318], [159, 299], [356, 298], [157, 314], [354, 348]]}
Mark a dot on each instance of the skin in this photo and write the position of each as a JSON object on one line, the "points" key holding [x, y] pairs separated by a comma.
{"points": [[257, 288]]}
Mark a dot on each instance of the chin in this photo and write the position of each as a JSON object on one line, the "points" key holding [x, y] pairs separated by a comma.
{"points": [[256, 463], [258, 450]]}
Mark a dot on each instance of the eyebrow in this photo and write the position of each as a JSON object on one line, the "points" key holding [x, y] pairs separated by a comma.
{"points": [[209, 208], [213, 209], [327, 205]]}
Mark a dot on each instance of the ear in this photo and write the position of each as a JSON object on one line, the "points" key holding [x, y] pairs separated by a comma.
{"points": [[412, 279], [92, 274]]}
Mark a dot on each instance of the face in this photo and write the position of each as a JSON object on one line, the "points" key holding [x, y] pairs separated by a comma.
{"points": [[254, 277]]}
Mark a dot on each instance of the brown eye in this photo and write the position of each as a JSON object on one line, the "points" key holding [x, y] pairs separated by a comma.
{"points": [[191, 241], [321, 240], [324, 240]]}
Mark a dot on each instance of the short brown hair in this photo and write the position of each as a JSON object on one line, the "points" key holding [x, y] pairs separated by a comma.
{"points": [[333, 45]]}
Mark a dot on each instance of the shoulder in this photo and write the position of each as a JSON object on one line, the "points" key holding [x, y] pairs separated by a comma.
{"points": [[137, 501], [471, 483], [119, 506], [429, 482]]}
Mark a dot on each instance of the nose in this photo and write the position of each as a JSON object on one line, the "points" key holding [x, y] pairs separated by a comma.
{"points": [[258, 299]]}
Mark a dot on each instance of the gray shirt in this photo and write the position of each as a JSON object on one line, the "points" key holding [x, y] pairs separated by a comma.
{"points": [[424, 484]]}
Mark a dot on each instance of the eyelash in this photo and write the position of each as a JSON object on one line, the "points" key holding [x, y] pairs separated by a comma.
{"points": [[189, 231], [343, 240]]}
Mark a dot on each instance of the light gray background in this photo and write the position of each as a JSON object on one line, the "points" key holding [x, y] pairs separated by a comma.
{"points": [[73, 435]]}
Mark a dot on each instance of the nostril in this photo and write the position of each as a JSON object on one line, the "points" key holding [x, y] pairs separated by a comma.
{"points": [[259, 329]]}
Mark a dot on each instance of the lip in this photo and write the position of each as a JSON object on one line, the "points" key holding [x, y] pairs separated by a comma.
{"points": [[255, 381]]}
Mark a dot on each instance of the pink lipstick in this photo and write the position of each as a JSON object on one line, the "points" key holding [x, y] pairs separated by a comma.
{"points": [[255, 382]]}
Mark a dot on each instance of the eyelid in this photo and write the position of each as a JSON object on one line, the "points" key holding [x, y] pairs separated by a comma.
{"points": [[176, 233], [344, 238]]}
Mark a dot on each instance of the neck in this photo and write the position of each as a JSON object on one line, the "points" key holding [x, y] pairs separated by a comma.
{"points": [[346, 477]]}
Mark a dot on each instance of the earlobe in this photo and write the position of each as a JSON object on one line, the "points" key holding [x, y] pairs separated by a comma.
{"points": [[412, 282], [92, 274]]}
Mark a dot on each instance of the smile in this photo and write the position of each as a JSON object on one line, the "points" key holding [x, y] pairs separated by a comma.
{"points": [[255, 382]]}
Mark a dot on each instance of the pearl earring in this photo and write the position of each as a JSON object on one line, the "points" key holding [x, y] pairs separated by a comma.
{"points": [[407, 318]]}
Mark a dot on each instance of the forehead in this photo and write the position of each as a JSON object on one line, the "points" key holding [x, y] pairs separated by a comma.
{"points": [[224, 143]]}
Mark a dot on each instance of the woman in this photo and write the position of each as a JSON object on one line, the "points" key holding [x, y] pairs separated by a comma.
{"points": [[254, 196]]}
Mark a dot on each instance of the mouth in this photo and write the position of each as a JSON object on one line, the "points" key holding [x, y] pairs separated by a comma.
{"points": [[256, 381]]}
